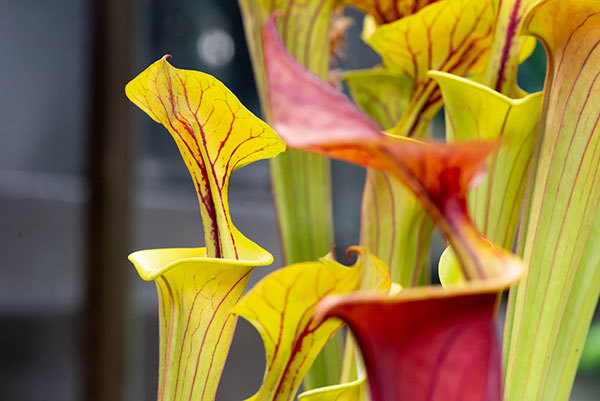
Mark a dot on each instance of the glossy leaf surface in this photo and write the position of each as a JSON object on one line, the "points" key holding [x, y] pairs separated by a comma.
{"points": [[565, 193], [281, 307], [215, 134], [196, 296], [428, 343], [452, 36]]}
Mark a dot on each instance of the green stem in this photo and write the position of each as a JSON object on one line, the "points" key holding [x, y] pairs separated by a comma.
{"points": [[349, 362], [396, 228], [501, 72], [501, 75], [579, 311], [552, 303], [301, 181], [302, 189]]}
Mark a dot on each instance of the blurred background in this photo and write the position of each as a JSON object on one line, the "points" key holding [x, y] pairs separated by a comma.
{"points": [[86, 178]]}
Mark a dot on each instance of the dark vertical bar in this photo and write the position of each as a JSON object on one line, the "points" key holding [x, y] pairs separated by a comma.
{"points": [[110, 170]]}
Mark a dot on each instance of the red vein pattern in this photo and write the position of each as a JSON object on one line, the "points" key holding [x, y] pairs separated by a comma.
{"points": [[301, 181], [196, 327], [439, 175], [215, 134], [281, 307], [196, 296], [566, 190], [380, 93], [509, 48], [452, 36], [512, 28], [386, 11]]}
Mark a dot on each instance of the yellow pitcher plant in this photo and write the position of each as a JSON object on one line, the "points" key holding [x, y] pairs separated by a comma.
{"points": [[514, 189]]}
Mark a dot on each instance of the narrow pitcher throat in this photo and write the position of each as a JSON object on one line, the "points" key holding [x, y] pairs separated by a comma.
{"points": [[474, 252], [218, 235], [209, 218]]}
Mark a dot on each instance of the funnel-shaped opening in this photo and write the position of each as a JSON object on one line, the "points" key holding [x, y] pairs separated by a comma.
{"points": [[428, 343], [152, 263]]}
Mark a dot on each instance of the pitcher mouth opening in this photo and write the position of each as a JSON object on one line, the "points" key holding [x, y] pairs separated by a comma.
{"points": [[152, 263]]}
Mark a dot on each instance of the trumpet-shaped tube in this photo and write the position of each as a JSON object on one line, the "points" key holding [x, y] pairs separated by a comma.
{"points": [[428, 343], [196, 295]]}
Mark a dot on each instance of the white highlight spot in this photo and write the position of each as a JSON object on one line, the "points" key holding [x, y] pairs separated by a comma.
{"points": [[216, 48]]}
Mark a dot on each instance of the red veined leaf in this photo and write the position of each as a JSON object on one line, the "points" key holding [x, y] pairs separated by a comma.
{"points": [[386, 11], [196, 295], [310, 115], [281, 307], [454, 36], [565, 193], [215, 134]]}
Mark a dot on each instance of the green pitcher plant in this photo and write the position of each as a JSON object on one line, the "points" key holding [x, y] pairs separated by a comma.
{"points": [[301, 181], [514, 190]]}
